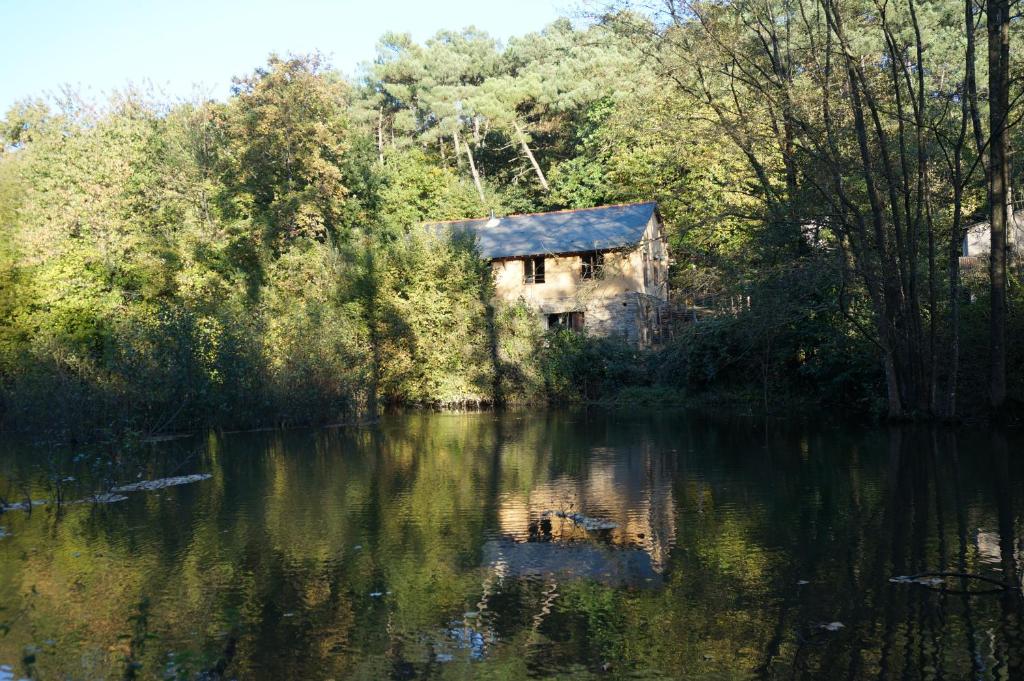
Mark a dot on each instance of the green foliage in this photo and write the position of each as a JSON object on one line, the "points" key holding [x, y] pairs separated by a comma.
{"points": [[413, 189], [520, 346], [784, 346], [260, 261], [579, 183], [649, 397], [285, 164], [432, 302], [578, 367], [157, 276], [315, 338]]}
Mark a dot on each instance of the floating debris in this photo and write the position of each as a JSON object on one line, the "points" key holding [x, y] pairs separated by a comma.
{"points": [[937, 581], [101, 498], [924, 580], [376, 594], [586, 522], [23, 506], [97, 498], [832, 626], [802, 582], [150, 485], [168, 437], [444, 657]]}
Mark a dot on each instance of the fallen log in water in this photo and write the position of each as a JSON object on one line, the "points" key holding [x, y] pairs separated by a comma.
{"points": [[584, 521], [115, 495], [150, 485]]}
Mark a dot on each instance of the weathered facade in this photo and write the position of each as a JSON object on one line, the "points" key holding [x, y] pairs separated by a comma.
{"points": [[603, 270]]}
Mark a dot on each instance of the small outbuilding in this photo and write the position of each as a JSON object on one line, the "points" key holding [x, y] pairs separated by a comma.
{"points": [[977, 243], [604, 270]]}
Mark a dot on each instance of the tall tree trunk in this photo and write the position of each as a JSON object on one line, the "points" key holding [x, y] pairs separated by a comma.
{"points": [[933, 318], [472, 164], [969, 115], [971, 81], [529, 155], [380, 135], [999, 178], [953, 359]]}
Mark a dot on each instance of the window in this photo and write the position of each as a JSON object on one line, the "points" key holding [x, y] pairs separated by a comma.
{"points": [[566, 320], [646, 274], [593, 264], [533, 271]]}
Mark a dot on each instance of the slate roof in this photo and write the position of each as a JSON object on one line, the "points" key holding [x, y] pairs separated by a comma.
{"points": [[564, 231]]}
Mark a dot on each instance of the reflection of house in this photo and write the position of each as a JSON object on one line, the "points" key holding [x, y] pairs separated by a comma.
{"points": [[580, 560], [601, 269], [989, 550], [634, 493]]}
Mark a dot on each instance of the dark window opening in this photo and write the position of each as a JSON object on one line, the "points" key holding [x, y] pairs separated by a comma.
{"points": [[593, 264], [533, 271], [566, 320], [646, 274]]}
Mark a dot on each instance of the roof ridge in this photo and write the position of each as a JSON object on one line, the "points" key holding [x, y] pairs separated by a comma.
{"points": [[546, 212], [574, 210], [448, 222]]}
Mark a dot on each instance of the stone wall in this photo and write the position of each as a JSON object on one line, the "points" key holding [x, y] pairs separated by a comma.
{"points": [[616, 316]]}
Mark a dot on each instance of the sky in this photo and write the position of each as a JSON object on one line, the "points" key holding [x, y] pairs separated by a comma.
{"points": [[188, 47]]}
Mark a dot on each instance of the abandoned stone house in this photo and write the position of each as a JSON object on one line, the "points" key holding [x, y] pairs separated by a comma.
{"points": [[603, 270]]}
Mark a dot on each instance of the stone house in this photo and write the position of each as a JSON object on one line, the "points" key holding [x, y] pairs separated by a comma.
{"points": [[603, 270]]}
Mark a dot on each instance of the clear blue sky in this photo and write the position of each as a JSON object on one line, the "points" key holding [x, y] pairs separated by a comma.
{"points": [[99, 45]]}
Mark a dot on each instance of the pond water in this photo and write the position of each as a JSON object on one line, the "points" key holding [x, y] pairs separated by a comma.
{"points": [[457, 546]]}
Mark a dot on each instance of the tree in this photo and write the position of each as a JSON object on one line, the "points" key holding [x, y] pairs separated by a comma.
{"points": [[841, 110], [286, 166], [1000, 209]]}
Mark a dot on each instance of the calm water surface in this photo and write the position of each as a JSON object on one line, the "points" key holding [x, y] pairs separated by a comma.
{"points": [[430, 546]]}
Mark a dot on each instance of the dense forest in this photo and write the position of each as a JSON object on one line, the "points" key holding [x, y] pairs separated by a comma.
{"points": [[257, 261]]}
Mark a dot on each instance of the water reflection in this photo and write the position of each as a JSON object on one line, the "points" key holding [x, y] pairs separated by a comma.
{"points": [[429, 547]]}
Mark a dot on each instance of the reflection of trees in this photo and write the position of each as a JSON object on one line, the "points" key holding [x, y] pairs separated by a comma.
{"points": [[275, 558]]}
